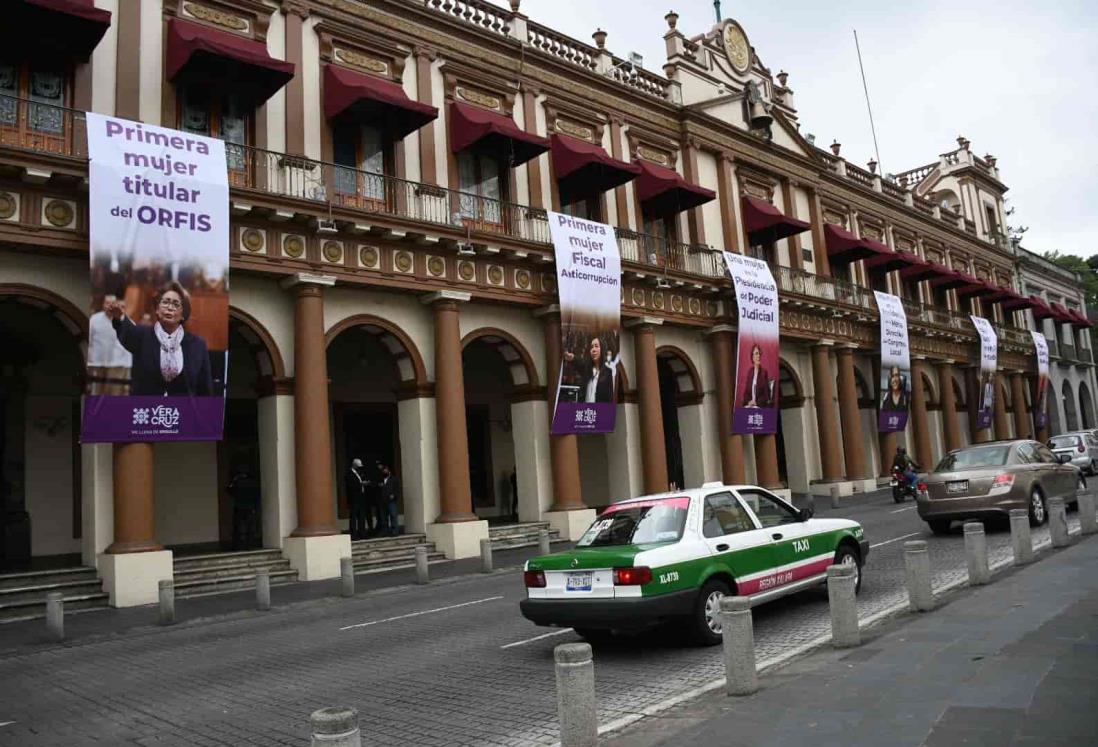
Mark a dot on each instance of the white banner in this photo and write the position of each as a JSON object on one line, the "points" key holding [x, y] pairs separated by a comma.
{"points": [[989, 361], [1040, 407], [589, 288], [756, 403], [895, 381]]}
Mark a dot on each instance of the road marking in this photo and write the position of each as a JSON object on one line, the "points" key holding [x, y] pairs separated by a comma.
{"points": [[6, 723], [537, 638], [896, 539], [905, 508], [423, 612]]}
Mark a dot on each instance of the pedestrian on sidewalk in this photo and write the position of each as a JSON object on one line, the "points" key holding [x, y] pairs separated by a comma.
{"points": [[355, 485], [390, 494]]}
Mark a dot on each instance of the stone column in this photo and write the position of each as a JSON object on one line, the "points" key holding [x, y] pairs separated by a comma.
{"points": [[276, 462], [653, 449], [722, 342], [766, 460], [827, 416], [920, 421], [949, 406], [316, 545], [999, 417], [853, 446], [568, 511], [456, 531], [1018, 397]]}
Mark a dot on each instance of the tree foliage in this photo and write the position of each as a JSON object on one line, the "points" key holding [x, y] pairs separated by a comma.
{"points": [[1087, 270]]}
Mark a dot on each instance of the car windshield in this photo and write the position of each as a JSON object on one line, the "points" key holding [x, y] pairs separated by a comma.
{"points": [[1064, 442], [987, 456], [636, 523]]}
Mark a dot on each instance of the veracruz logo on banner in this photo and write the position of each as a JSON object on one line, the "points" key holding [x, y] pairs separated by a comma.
{"points": [[1040, 409], [989, 361], [895, 365], [589, 287], [756, 404], [159, 327]]}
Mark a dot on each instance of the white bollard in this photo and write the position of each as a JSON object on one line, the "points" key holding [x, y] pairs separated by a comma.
{"points": [[55, 615], [738, 639], [263, 589], [335, 727], [834, 496], [347, 576], [486, 555], [976, 554], [1058, 522], [167, 601], [917, 573], [1088, 522], [423, 575], [543, 542], [1019, 536], [575, 672], [842, 582]]}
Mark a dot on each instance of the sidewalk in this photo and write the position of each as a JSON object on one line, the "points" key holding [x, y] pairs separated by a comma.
{"points": [[1013, 663]]}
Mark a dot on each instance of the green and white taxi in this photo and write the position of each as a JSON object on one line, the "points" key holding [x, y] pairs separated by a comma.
{"points": [[672, 556]]}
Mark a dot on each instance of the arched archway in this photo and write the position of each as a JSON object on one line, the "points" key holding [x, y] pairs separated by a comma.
{"points": [[790, 436], [1071, 414], [1086, 405], [681, 395], [42, 371]]}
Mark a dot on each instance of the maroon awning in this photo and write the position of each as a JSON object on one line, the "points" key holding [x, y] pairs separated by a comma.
{"points": [[974, 287], [843, 246], [1017, 302], [998, 294], [373, 100], [1041, 310], [584, 169], [920, 269], [472, 126], [1061, 314], [948, 278], [663, 191], [69, 29], [765, 223], [223, 62], [1079, 319]]}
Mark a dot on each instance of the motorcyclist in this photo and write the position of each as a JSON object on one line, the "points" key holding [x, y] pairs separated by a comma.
{"points": [[903, 463]]}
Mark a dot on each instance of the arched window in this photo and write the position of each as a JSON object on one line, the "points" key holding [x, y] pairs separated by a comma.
{"points": [[1086, 406], [790, 392], [1071, 415]]}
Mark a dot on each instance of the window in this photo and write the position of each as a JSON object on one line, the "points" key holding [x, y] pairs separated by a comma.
{"points": [[724, 515], [221, 117], [480, 179], [588, 208], [940, 297], [1027, 454], [1046, 454], [638, 523], [770, 511], [910, 289], [987, 456], [32, 97], [365, 153], [992, 220]]}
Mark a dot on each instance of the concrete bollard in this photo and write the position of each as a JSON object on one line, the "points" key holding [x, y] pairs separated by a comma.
{"points": [[738, 636], [423, 575], [834, 496], [575, 672], [167, 601], [263, 589], [55, 615], [1088, 522], [486, 555], [543, 542], [842, 581], [347, 576], [1058, 522], [1019, 536], [335, 727], [976, 554], [917, 573]]}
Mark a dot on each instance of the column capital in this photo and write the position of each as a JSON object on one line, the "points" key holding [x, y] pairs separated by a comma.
{"points": [[307, 278], [544, 311], [824, 344], [643, 321], [448, 296], [719, 328], [295, 7]]}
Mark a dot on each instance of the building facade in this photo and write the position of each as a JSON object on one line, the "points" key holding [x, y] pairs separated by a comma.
{"points": [[393, 291]]}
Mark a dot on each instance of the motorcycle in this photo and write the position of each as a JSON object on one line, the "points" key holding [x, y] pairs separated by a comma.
{"points": [[901, 488]]}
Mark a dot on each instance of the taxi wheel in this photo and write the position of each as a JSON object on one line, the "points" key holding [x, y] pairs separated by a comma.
{"points": [[706, 621], [845, 555]]}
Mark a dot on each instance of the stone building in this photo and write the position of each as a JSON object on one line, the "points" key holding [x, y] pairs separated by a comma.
{"points": [[393, 289]]}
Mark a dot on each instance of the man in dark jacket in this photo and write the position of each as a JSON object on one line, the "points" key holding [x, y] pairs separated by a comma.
{"points": [[390, 495], [356, 499]]}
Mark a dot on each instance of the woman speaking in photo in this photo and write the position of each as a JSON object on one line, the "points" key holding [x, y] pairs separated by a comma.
{"points": [[167, 360], [756, 391], [598, 379]]}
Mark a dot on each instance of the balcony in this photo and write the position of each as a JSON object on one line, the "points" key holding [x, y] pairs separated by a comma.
{"points": [[42, 128]]}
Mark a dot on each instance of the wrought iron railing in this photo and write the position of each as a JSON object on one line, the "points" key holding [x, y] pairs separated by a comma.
{"points": [[804, 283], [43, 128], [656, 251]]}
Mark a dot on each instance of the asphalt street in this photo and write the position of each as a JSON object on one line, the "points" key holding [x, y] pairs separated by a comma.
{"points": [[453, 663]]}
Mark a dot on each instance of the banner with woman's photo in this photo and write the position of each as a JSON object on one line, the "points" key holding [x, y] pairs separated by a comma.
{"points": [[159, 328], [989, 361], [895, 364], [589, 286], [756, 404], [1040, 406]]}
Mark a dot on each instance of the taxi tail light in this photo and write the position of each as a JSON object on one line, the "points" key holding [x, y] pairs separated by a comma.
{"points": [[638, 576], [1005, 480], [534, 579]]}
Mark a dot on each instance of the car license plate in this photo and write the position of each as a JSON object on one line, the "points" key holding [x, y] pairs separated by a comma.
{"points": [[579, 582], [957, 487]]}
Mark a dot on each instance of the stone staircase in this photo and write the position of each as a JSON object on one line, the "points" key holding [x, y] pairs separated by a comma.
{"points": [[198, 575], [387, 553], [23, 595], [525, 534]]}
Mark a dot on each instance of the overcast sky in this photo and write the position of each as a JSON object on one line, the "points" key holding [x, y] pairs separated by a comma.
{"points": [[1015, 78]]}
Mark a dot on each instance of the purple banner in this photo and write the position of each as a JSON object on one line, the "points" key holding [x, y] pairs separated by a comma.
{"points": [[989, 361], [895, 391], [756, 405], [136, 418], [1040, 407], [582, 417]]}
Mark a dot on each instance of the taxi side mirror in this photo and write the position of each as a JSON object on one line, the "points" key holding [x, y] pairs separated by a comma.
{"points": [[806, 513]]}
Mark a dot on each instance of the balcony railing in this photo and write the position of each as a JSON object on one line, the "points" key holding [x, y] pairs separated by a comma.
{"points": [[676, 256], [43, 128], [804, 283]]}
